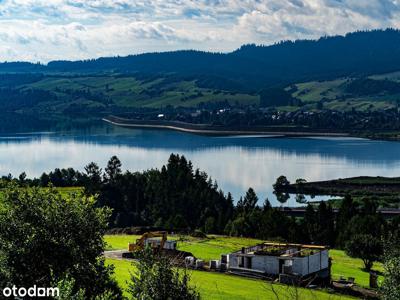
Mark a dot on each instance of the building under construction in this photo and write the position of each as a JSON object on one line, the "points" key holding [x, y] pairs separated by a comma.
{"points": [[280, 259]]}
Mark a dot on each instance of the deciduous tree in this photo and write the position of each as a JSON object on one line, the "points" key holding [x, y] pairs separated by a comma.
{"points": [[366, 247], [45, 237]]}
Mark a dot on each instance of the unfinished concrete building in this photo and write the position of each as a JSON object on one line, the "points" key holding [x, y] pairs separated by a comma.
{"points": [[156, 243], [275, 259]]}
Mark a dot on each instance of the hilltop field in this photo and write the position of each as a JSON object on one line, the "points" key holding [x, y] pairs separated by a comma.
{"points": [[75, 94], [222, 286], [374, 92]]}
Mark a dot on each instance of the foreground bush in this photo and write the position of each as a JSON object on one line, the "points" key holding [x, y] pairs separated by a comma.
{"points": [[46, 237], [391, 263], [157, 279]]}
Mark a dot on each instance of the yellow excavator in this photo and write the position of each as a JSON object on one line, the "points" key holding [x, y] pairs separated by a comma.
{"points": [[157, 240], [155, 245]]}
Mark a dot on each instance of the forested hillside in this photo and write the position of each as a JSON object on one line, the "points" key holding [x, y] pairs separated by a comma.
{"points": [[353, 73], [253, 67]]}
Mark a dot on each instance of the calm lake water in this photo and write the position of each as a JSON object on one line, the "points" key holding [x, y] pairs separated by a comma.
{"points": [[236, 163]]}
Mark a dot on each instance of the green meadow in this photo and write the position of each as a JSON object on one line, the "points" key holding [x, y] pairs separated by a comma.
{"points": [[335, 97], [64, 191], [343, 265]]}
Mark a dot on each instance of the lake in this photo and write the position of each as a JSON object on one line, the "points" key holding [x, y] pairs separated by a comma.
{"points": [[236, 163]]}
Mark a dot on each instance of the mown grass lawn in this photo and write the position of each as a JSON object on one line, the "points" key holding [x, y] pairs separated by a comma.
{"points": [[212, 285], [343, 265], [212, 248], [119, 241]]}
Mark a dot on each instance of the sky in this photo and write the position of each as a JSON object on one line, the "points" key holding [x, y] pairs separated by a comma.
{"points": [[44, 30]]}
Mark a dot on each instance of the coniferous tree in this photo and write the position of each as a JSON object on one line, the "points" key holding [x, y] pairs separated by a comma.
{"points": [[113, 169]]}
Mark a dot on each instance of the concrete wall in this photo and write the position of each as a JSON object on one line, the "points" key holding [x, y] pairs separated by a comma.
{"points": [[268, 264], [325, 259], [170, 245], [318, 261], [299, 265], [232, 261], [311, 264]]}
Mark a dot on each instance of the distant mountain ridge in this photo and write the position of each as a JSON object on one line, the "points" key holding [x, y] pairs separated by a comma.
{"points": [[252, 67]]}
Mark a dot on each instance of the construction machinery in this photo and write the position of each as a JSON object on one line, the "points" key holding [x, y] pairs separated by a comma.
{"points": [[149, 239], [157, 240]]}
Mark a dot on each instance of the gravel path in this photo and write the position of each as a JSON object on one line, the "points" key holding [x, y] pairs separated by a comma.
{"points": [[115, 254]]}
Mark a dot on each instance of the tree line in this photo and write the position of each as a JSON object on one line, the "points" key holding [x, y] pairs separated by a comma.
{"points": [[178, 197], [174, 197]]}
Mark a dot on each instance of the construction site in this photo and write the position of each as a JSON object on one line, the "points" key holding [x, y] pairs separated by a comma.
{"points": [[288, 263], [308, 266]]}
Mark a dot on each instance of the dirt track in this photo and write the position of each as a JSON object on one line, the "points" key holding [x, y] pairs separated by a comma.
{"points": [[115, 254]]}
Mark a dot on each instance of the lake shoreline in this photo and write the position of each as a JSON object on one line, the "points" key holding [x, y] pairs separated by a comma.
{"points": [[359, 186], [383, 190], [203, 129]]}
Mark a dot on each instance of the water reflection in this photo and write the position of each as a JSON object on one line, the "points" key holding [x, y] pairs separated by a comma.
{"points": [[236, 163]]}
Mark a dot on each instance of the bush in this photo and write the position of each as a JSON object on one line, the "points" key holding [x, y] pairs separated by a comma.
{"points": [[391, 264], [157, 279]]}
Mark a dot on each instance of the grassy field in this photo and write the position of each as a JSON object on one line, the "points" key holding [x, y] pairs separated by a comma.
{"points": [[120, 241], [394, 76], [212, 248], [343, 265], [335, 97], [69, 190], [212, 285], [64, 191], [315, 90], [132, 92]]}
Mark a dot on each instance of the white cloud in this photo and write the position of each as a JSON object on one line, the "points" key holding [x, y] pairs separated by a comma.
{"points": [[75, 29]]}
